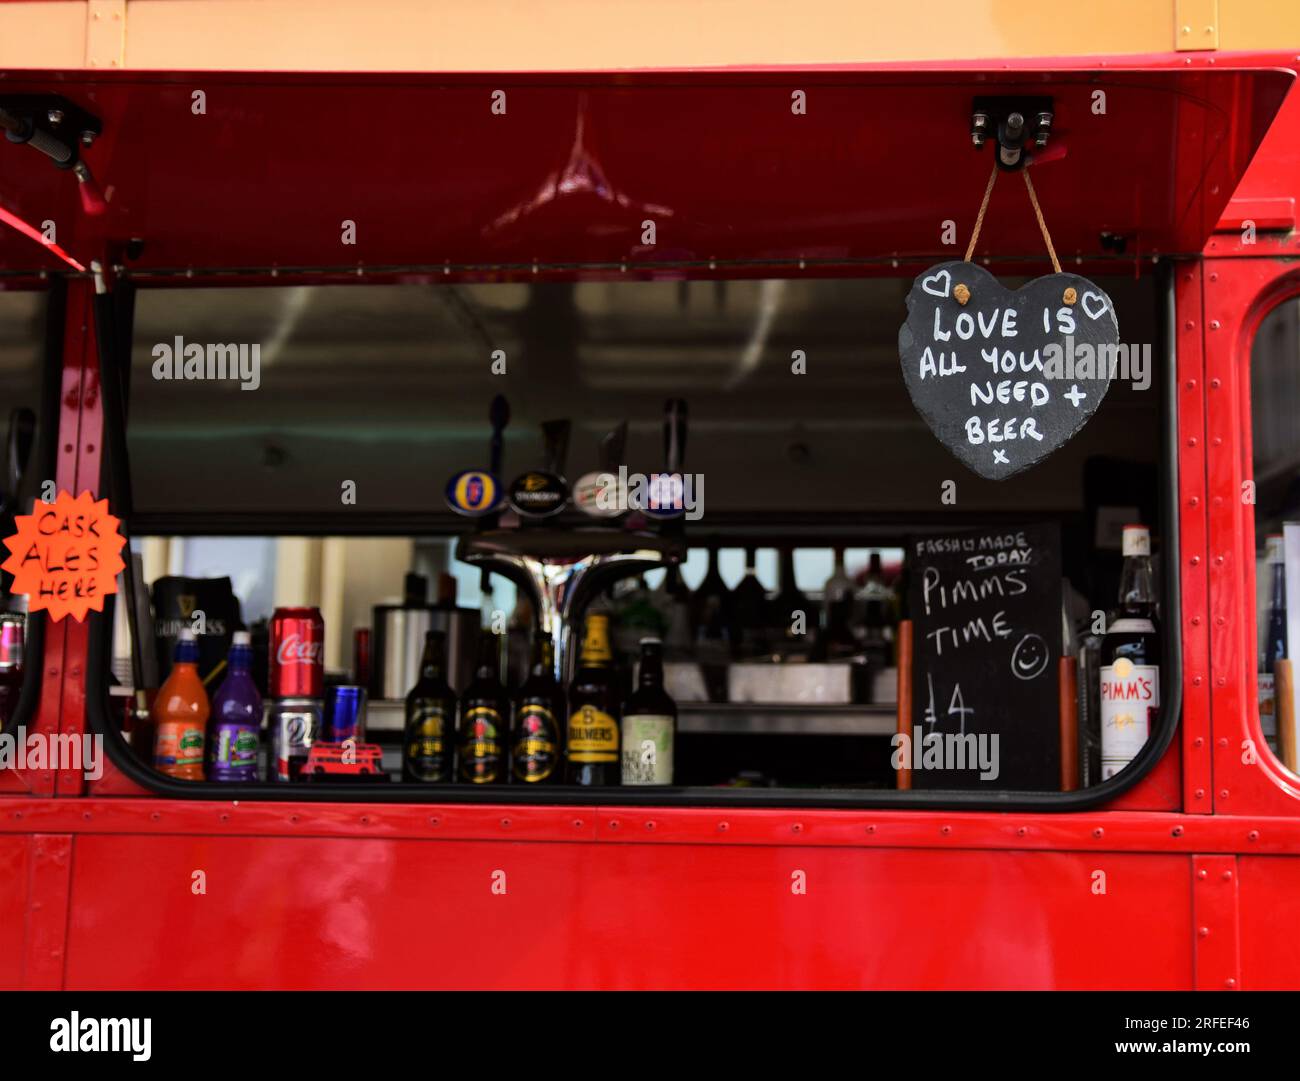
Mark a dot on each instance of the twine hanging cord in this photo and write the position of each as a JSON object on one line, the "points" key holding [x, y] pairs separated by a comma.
{"points": [[1038, 213]]}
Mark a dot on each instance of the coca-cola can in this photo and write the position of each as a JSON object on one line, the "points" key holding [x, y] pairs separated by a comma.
{"points": [[297, 654]]}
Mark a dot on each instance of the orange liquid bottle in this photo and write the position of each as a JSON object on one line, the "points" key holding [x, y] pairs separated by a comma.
{"points": [[180, 715]]}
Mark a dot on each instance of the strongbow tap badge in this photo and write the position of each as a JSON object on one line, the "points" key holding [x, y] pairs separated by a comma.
{"points": [[1005, 377], [66, 556]]}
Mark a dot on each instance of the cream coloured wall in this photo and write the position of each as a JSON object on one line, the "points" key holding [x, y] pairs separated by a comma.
{"points": [[506, 35]]}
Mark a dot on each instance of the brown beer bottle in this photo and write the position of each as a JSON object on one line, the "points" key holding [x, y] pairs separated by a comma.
{"points": [[535, 747], [430, 717], [481, 742], [591, 752]]}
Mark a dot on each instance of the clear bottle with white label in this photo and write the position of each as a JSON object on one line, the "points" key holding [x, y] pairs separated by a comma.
{"points": [[649, 723], [1129, 677]]}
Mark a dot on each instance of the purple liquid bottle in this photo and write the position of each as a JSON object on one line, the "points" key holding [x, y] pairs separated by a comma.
{"points": [[236, 718]]}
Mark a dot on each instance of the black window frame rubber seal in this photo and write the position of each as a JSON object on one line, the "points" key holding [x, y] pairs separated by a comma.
{"points": [[113, 380]]}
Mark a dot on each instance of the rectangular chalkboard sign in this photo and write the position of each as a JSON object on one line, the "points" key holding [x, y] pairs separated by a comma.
{"points": [[986, 618]]}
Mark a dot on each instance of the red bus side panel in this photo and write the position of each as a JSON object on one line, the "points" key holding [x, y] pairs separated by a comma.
{"points": [[338, 913]]}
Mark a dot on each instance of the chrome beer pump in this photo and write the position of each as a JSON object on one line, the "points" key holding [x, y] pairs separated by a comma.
{"points": [[562, 567]]}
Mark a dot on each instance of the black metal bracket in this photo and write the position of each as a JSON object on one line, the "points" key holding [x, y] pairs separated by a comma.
{"points": [[53, 125], [1014, 124]]}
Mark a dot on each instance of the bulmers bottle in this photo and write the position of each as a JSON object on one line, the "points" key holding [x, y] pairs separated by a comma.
{"points": [[481, 742], [649, 722], [536, 751], [1130, 660], [428, 745], [591, 752], [236, 717], [180, 714]]}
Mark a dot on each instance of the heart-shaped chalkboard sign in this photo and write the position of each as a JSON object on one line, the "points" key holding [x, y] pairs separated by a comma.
{"points": [[1005, 377]]}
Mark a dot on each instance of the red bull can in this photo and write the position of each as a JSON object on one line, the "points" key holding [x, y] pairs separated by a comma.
{"points": [[347, 714]]}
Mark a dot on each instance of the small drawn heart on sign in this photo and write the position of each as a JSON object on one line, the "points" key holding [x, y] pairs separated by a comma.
{"points": [[938, 285], [1010, 376]]}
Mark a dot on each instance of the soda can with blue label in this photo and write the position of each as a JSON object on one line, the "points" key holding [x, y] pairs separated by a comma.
{"points": [[347, 714]]}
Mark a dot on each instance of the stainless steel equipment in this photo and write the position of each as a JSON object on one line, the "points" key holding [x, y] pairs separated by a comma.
{"points": [[399, 632]]}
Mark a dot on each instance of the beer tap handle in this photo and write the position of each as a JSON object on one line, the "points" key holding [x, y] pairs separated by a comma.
{"points": [[499, 416], [613, 447], [675, 434], [556, 435]]}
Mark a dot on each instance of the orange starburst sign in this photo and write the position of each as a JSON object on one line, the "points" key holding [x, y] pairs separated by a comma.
{"points": [[66, 555]]}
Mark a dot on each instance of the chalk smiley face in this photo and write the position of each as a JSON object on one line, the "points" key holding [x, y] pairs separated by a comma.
{"points": [[1029, 658]]}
